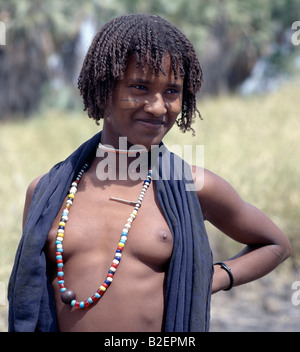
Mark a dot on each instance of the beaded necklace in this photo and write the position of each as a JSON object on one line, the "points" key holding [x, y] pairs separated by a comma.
{"points": [[69, 296]]}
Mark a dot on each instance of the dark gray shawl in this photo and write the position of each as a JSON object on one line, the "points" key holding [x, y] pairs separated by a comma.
{"points": [[188, 289]]}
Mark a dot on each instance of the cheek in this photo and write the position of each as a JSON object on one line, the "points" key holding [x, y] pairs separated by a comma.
{"points": [[174, 108]]}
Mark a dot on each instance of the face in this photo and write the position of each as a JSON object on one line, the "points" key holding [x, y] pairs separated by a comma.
{"points": [[144, 106]]}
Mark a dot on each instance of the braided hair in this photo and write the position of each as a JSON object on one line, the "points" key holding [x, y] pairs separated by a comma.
{"points": [[147, 37]]}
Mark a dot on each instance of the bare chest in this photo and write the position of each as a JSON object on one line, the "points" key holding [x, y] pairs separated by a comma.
{"points": [[95, 224]]}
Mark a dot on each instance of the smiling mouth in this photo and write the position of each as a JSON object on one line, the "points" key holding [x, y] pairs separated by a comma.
{"points": [[151, 122]]}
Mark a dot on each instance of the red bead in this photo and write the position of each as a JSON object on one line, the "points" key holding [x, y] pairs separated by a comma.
{"points": [[94, 298], [61, 285], [114, 265], [120, 248], [110, 275], [58, 253], [100, 292], [87, 303], [59, 261], [104, 285], [60, 277], [77, 304]]}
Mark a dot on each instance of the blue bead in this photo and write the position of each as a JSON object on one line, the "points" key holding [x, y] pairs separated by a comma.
{"points": [[90, 300], [59, 265], [73, 302], [118, 251], [60, 273], [61, 282], [61, 227], [97, 295], [81, 304], [107, 282], [124, 234], [122, 241], [59, 257], [59, 250], [63, 289]]}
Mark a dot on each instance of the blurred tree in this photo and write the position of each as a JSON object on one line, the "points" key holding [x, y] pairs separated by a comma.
{"points": [[34, 30], [229, 36]]}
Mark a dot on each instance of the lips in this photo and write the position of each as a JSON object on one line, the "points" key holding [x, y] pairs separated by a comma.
{"points": [[151, 123]]}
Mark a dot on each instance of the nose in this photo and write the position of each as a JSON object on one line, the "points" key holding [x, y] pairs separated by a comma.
{"points": [[156, 105]]}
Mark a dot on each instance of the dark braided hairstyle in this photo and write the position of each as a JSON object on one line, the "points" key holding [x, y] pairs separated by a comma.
{"points": [[147, 37]]}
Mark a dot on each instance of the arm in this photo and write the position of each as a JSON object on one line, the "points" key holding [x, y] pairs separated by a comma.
{"points": [[266, 246], [28, 198]]}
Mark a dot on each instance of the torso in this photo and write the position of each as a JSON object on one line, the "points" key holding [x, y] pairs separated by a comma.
{"points": [[135, 299]]}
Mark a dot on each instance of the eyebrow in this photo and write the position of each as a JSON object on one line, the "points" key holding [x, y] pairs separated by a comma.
{"points": [[146, 81]]}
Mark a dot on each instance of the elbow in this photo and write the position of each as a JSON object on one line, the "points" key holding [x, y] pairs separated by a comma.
{"points": [[284, 249], [287, 249]]}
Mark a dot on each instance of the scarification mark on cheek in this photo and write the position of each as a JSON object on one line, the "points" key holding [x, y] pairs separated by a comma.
{"points": [[129, 104]]}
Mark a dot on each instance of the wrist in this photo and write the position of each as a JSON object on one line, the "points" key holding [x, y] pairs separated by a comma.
{"points": [[223, 282]]}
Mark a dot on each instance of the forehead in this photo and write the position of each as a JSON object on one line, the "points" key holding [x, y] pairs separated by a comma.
{"points": [[135, 71]]}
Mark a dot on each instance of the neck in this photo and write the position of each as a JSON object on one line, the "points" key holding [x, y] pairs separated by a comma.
{"points": [[122, 164]]}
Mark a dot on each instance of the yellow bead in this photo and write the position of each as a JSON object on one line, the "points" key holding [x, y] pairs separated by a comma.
{"points": [[71, 195], [102, 288], [134, 212], [62, 223], [121, 244], [60, 234]]}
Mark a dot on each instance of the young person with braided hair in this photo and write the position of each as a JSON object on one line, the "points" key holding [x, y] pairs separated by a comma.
{"points": [[80, 265]]}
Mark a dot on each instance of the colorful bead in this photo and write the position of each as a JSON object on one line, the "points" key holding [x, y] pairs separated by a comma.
{"points": [[68, 296]]}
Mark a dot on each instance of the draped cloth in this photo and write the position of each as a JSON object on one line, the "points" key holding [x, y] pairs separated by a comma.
{"points": [[189, 276]]}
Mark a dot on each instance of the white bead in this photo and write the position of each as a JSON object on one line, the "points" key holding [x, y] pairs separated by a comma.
{"points": [[109, 279], [123, 238], [59, 246], [115, 261], [112, 269], [127, 226], [73, 190], [60, 239], [118, 255]]}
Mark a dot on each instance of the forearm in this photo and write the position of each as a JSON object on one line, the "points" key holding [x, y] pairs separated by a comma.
{"points": [[250, 264]]}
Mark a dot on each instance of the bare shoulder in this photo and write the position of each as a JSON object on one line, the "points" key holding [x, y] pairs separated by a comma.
{"points": [[215, 194], [29, 195]]}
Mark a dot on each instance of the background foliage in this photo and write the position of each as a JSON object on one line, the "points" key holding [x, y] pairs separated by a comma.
{"points": [[45, 47]]}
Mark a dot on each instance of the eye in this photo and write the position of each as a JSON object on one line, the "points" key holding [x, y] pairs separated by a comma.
{"points": [[172, 91], [140, 87]]}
